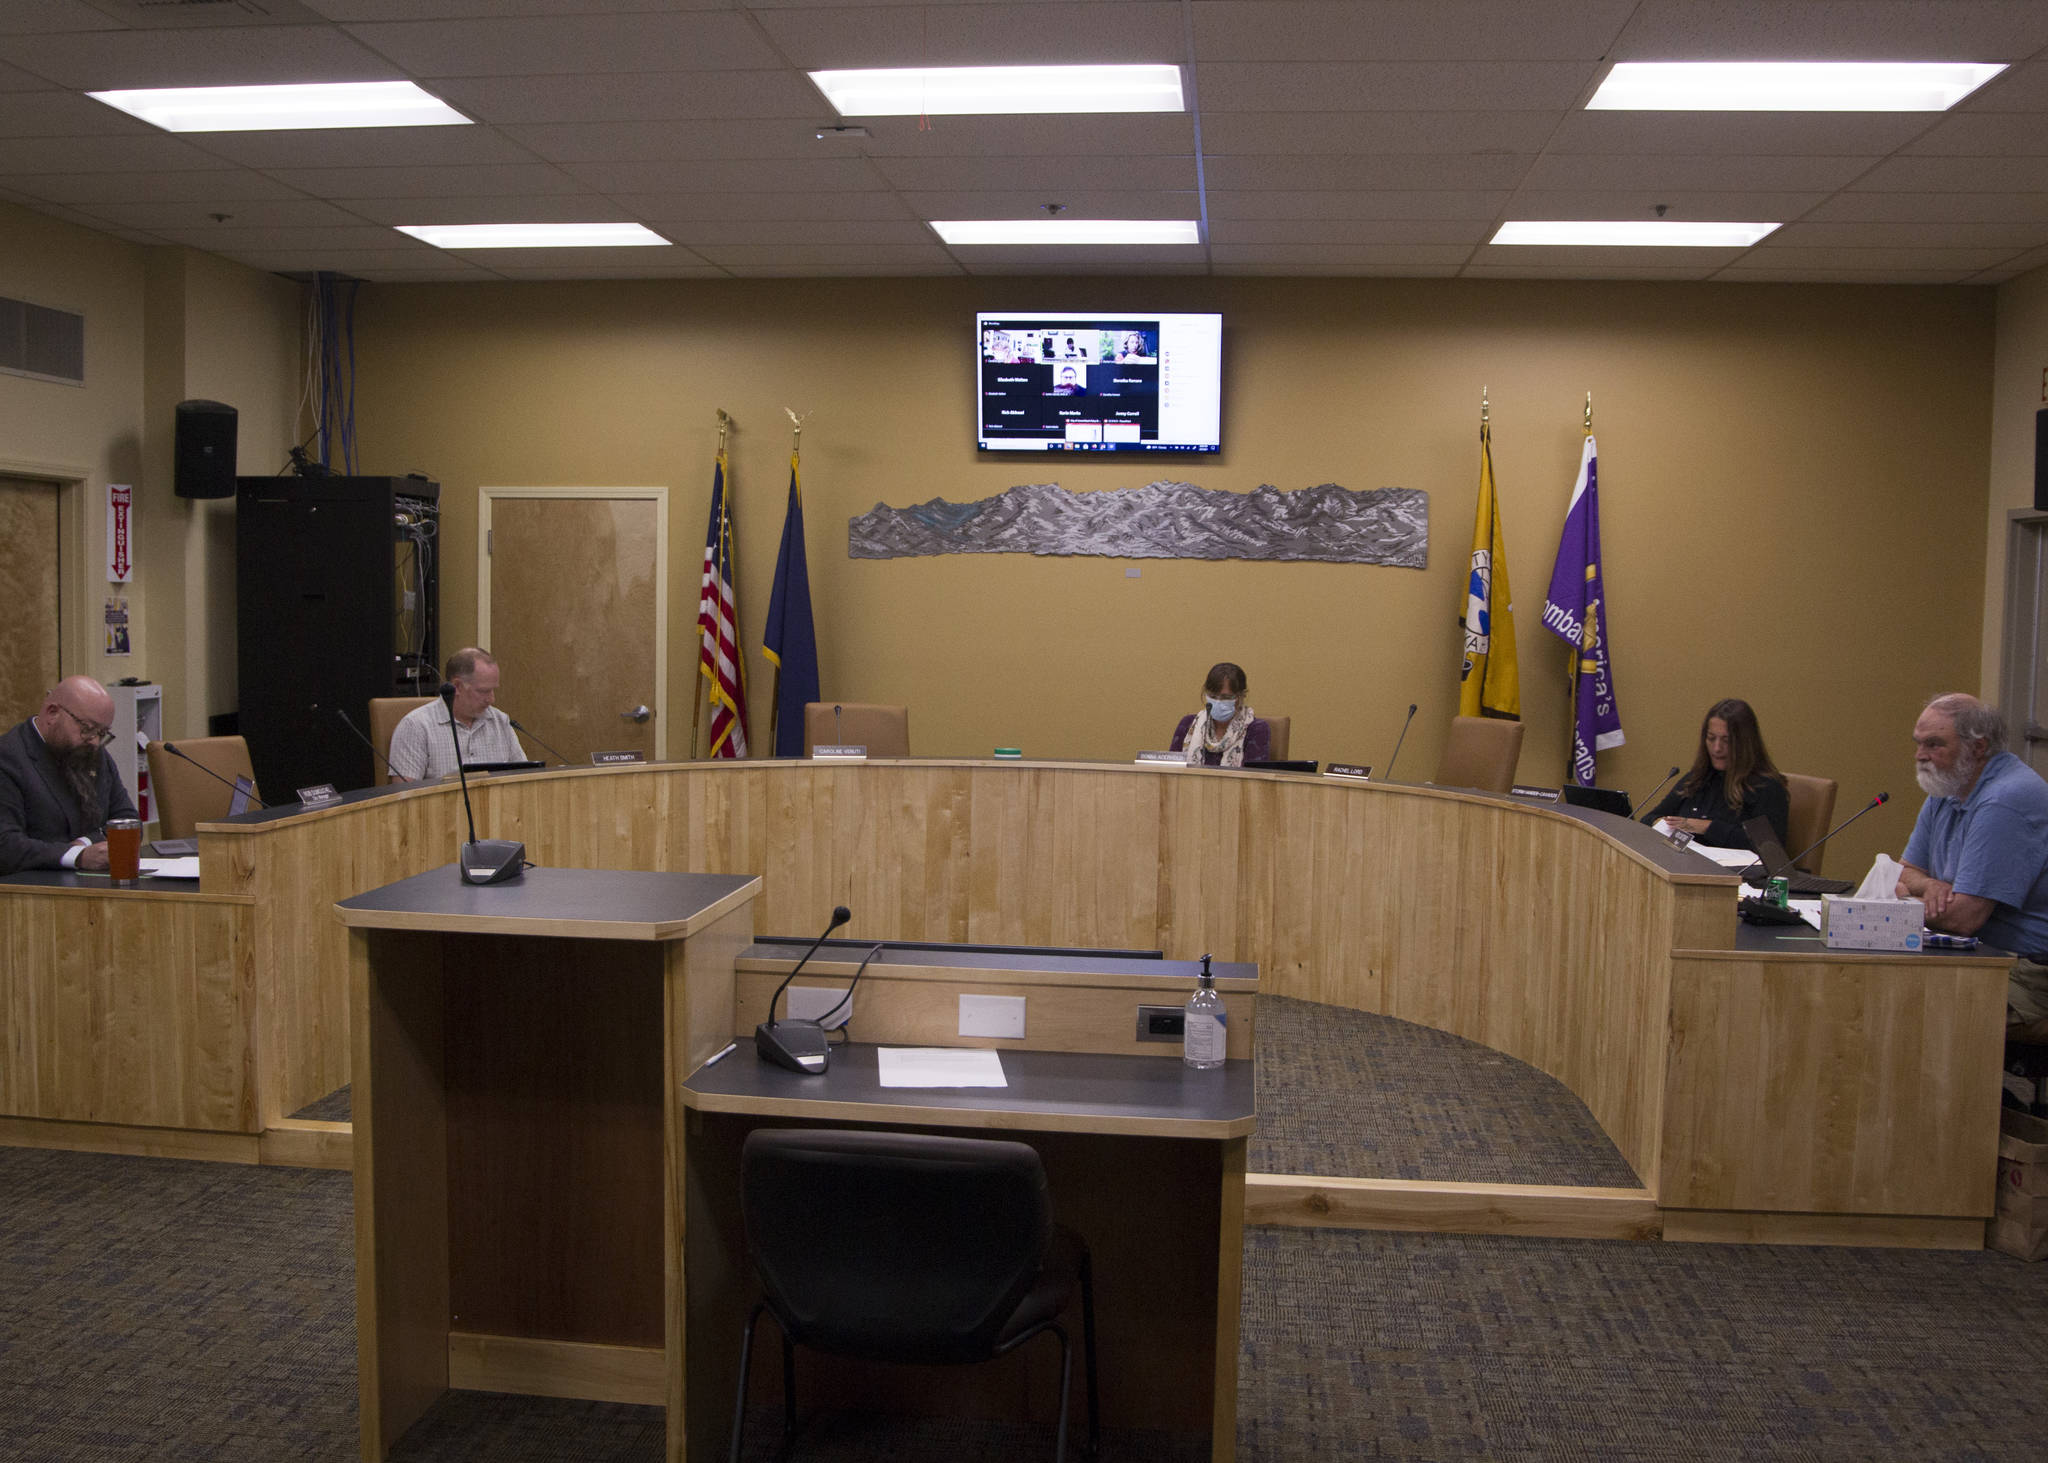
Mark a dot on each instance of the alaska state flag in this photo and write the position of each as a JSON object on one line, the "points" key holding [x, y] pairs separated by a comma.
{"points": [[1490, 683], [791, 641], [1575, 612]]}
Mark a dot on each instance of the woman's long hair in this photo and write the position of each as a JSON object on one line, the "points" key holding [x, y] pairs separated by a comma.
{"points": [[1748, 759]]}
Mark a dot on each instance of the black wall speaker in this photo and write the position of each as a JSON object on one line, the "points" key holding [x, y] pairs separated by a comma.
{"points": [[2041, 460], [205, 466]]}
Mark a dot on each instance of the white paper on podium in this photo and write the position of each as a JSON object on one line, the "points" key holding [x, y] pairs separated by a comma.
{"points": [[940, 1066], [171, 868], [1727, 858]]}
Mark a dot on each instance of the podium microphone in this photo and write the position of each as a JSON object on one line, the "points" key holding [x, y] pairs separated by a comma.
{"points": [[798, 1045], [837, 735], [345, 721], [520, 726], [1877, 802], [1651, 800], [1397, 743], [493, 860], [236, 787]]}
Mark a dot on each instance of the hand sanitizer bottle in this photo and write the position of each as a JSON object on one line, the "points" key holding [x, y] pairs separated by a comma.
{"points": [[1202, 1024]]}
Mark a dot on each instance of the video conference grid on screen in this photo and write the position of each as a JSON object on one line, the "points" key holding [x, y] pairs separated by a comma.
{"points": [[1095, 383]]}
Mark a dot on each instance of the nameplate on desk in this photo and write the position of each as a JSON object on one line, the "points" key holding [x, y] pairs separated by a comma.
{"points": [[613, 759], [1353, 770], [1535, 794], [318, 795], [1172, 759], [847, 753]]}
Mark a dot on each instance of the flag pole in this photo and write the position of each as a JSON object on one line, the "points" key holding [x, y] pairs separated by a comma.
{"points": [[703, 691], [796, 442], [1571, 745]]}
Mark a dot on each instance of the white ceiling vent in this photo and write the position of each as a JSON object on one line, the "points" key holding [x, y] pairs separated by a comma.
{"points": [[36, 340]]}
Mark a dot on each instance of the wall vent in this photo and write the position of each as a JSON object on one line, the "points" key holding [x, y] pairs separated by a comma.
{"points": [[38, 341]]}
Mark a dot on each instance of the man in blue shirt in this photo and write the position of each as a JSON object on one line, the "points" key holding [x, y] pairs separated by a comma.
{"points": [[1978, 857]]}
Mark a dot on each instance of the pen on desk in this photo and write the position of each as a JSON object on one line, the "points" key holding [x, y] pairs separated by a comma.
{"points": [[722, 1054]]}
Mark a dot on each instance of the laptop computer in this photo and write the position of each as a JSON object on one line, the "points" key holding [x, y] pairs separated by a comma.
{"points": [[1279, 764], [1778, 865], [1600, 799]]}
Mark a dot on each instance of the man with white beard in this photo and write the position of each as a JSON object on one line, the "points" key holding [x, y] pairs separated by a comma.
{"points": [[1978, 857]]}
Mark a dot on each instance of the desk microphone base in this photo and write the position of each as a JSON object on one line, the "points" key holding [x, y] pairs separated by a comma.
{"points": [[492, 861], [798, 1045]]}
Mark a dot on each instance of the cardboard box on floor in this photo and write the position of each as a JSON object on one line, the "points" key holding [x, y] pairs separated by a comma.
{"points": [[2020, 1225]]}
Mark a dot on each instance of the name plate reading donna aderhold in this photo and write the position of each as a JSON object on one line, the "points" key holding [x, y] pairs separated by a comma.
{"points": [[1174, 759], [839, 754], [318, 795], [1353, 770], [1535, 794], [613, 759]]}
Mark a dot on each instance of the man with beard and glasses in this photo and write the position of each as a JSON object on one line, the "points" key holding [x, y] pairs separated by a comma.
{"points": [[58, 786], [1978, 857]]}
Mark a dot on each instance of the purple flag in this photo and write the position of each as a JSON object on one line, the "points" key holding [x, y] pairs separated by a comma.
{"points": [[1575, 611]]}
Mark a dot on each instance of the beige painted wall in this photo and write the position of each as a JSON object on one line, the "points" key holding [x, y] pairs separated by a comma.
{"points": [[1781, 467], [162, 325], [2019, 390]]}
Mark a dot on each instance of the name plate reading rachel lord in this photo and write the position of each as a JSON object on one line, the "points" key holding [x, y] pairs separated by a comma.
{"points": [[318, 795], [839, 754], [1170, 759], [613, 759], [1535, 794], [1353, 770]]}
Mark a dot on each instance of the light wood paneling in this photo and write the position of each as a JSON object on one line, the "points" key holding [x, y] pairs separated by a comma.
{"points": [[1867, 1231], [303, 1143], [1451, 1208], [135, 1142], [534, 1367], [29, 567], [127, 1007]]}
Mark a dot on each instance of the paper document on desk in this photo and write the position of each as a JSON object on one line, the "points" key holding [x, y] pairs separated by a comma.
{"points": [[1727, 858], [1808, 910], [940, 1066], [170, 868]]}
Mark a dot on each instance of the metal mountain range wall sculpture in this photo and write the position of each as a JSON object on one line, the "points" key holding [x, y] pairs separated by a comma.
{"points": [[1163, 520]]}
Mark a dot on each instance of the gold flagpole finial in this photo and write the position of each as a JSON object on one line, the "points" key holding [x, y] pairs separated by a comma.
{"points": [[724, 425], [1589, 413], [796, 440], [1483, 406]]}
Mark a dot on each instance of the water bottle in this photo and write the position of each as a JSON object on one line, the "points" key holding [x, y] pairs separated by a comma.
{"points": [[1202, 1024]]}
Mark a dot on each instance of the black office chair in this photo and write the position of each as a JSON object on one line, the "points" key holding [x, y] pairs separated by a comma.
{"points": [[902, 1247]]}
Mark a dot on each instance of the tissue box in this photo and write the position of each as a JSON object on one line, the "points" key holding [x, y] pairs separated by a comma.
{"points": [[1848, 923]]}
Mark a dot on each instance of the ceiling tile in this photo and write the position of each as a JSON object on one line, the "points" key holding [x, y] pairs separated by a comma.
{"points": [[12, 79], [599, 271], [1955, 175], [65, 114], [942, 174], [657, 208], [1935, 207], [1133, 133], [155, 152], [1446, 255], [846, 271], [1583, 271], [2014, 268], [36, 17], [707, 234], [1084, 203], [635, 96], [244, 213], [1985, 134], [1848, 30], [1100, 32], [1908, 235], [754, 256], [1520, 256], [1956, 261], [1407, 173], [1766, 134], [1764, 274], [1387, 204], [1406, 30], [623, 142], [1748, 206], [760, 175], [1056, 259], [364, 10], [2022, 88], [366, 147], [1346, 86], [223, 56], [533, 208], [1227, 133], [346, 183], [227, 185], [634, 260], [343, 261], [235, 241], [1713, 174], [564, 45], [1304, 231], [1390, 271], [1005, 269]]}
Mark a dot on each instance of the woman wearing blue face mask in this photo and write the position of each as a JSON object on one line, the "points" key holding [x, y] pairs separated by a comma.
{"points": [[1224, 733]]}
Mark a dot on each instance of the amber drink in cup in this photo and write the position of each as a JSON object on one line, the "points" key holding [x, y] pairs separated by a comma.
{"points": [[124, 848]]}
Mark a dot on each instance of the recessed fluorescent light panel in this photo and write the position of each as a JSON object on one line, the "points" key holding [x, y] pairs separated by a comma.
{"points": [[1633, 233], [936, 91], [534, 236], [285, 108], [1790, 86], [1068, 231]]}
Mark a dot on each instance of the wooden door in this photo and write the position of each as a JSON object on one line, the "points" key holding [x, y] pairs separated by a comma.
{"points": [[573, 601], [29, 560]]}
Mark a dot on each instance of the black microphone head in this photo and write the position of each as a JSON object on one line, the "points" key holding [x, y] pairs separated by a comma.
{"points": [[448, 692], [172, 748], [1880, 800], [840, 915], [1411, 708], [1672, 773]]}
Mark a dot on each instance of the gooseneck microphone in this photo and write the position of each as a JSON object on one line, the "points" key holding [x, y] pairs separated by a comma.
{"points": [[1651, 800], [251, 789], [798, 1045], [838, 737], [520, 726], [1397, 743], [491, 861], [338, 711]]}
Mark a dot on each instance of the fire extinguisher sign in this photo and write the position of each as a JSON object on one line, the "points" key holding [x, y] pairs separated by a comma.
{"points": [[120, 521]]}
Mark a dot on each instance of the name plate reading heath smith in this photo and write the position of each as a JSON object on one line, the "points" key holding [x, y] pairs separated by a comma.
{"points": [[612, 759]]}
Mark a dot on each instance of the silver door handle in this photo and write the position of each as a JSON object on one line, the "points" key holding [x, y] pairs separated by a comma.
{"points": [[638, 713]]}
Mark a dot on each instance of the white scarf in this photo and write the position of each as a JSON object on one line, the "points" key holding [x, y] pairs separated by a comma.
{"points": [[1231, 746]]}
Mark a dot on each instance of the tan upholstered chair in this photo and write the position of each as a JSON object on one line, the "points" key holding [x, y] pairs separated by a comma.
{"points": [[883, 730], [1812, 802], [1276, 729], [1481, 752], [187, 797], [386, 712]]}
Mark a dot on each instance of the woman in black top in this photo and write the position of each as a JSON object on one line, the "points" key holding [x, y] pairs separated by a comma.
{"points": [[1732, 780]]}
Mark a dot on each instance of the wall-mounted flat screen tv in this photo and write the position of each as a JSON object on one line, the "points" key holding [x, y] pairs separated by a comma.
{"points": [[1064, 381]]}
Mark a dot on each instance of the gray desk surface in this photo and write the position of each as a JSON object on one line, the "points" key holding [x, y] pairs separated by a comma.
{"points": [[65, 879], [1804, 939], [1049, 1091], [589, 904], [841, 957]]}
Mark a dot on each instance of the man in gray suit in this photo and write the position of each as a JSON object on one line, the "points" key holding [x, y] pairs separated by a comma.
{"points": [[58, 786]]}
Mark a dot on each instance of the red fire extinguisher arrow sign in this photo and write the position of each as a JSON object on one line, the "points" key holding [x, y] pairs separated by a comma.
{"points": [[120, 499]]}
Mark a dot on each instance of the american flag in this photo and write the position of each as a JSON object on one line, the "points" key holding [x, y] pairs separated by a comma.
{"points": [[718, 614]]}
